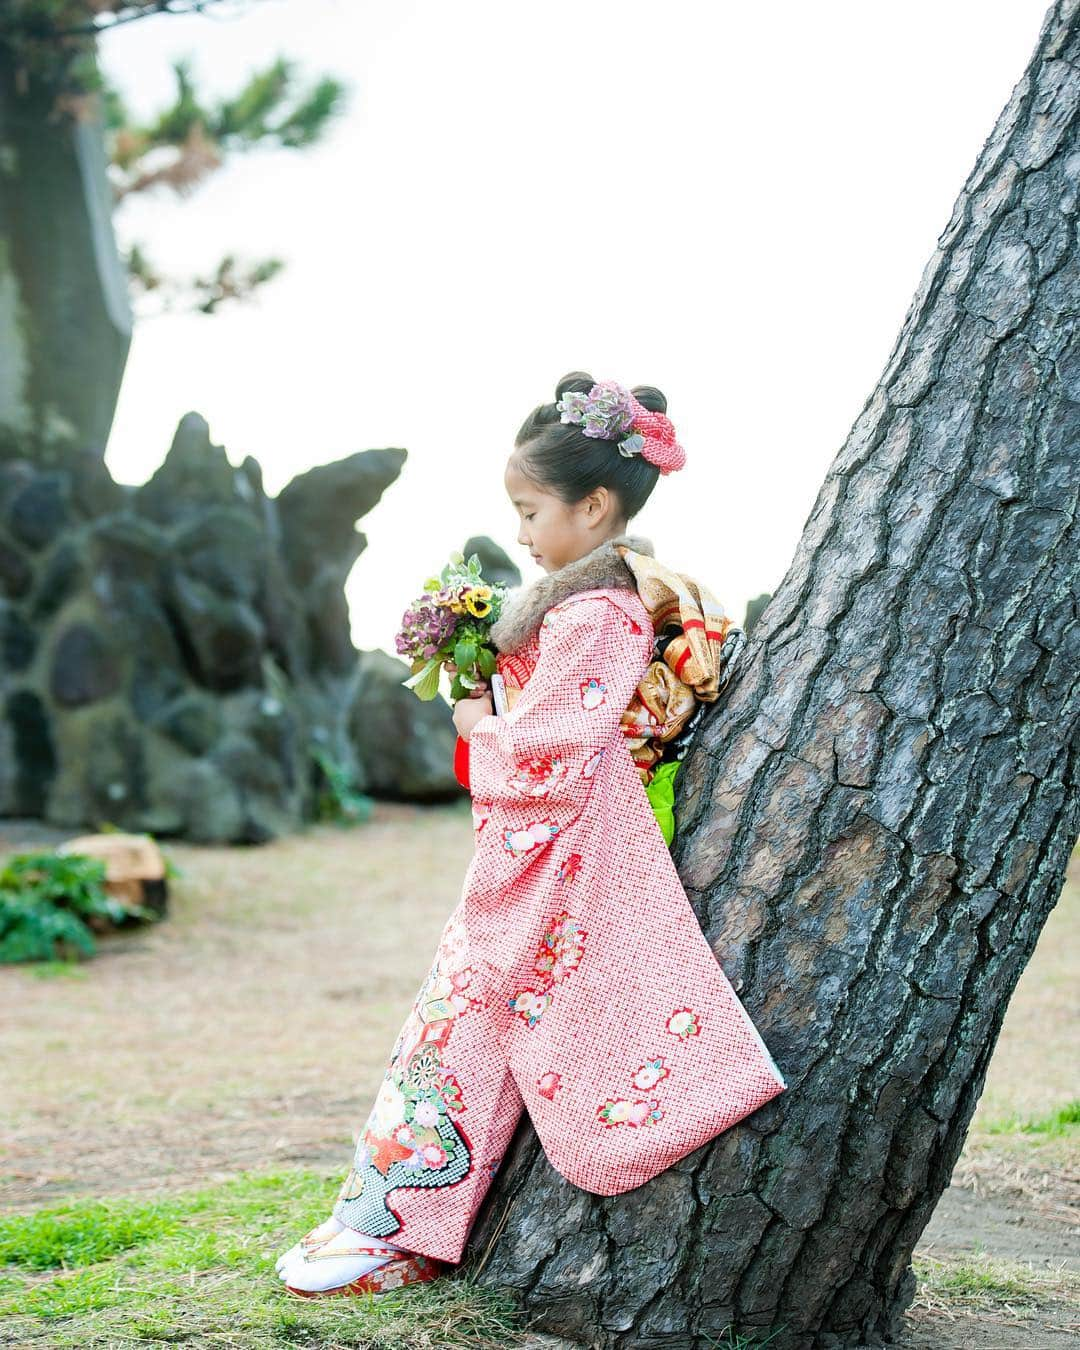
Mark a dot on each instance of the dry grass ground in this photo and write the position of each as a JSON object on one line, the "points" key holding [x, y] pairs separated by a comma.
{"points": [[250, 1032], [250, 1029]]}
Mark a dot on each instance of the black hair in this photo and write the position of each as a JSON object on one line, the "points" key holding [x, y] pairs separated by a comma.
{"points": [[561, 459]]}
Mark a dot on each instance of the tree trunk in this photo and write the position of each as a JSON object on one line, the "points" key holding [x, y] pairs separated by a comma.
{"points": [[875, 825], [65, 316]]}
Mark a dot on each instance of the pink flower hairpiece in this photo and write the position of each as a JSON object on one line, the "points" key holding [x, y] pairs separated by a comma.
{"points": [[609, 409]]}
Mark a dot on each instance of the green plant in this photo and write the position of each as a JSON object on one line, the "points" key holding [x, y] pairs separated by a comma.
{"points": [[451, 621], [49, 903], [338, 799], [1058, 1122]]}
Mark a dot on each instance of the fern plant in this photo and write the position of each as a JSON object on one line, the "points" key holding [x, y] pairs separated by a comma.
{"points": [[49, 904]]}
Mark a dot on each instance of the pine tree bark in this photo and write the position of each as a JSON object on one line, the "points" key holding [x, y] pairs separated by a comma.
{"points": [[875, 824]]}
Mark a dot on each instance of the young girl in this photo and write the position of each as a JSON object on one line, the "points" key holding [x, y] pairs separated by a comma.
{"points": [[572, 979]]}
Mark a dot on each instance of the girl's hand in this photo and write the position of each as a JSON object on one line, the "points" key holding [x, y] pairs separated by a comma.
{"points": [[481, 689], [468, 711]]}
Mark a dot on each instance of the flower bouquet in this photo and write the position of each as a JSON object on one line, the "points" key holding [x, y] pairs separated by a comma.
{"points": [[450, 622]]}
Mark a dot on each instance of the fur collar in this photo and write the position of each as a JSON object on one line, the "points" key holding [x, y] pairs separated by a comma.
{"points": [[525, 606]]}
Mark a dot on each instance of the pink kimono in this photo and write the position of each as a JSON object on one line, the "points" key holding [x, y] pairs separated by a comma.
{"points": [[572, 979]]}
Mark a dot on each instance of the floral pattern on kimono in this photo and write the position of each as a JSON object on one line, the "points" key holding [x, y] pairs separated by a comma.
{"points": [[625, 1039], [413, 1136], [567, 714]]}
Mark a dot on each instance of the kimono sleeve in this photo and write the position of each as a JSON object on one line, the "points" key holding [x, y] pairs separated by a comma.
{"points": [[531, 770]]}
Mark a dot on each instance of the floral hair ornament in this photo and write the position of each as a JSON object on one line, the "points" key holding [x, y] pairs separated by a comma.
{"points": [[609, 409]]}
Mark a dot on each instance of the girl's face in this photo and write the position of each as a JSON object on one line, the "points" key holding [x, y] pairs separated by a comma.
{"points": [[554, 532]]}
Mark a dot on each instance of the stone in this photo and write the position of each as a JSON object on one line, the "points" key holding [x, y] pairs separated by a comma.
{"points": [[122, 549], [224, 636], [193, 721], [194, 475], [102, 775], [288, 640], [61, 577], [154, 687], [412, 753], [38, 513], [15, 474], [16, 574], [84, 668], [197, 644], [208, 805], [319, 510], [278, 729], [18, 641], [92, 486], [329, 643], [225, 550], [34, 753], [244, 764], [495, 563]]}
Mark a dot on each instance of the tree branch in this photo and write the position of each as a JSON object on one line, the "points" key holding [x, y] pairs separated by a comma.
{"points": [[42, 29]]}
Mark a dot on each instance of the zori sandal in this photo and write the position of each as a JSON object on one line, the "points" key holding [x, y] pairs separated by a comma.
{"points": [[317, 1237], [393, 1273]]}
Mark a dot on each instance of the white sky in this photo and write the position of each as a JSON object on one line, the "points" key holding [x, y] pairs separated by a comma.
{"points": [[733, 202]]}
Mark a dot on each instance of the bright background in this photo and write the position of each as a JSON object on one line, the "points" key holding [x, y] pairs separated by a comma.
{"points": [[732, 202]]}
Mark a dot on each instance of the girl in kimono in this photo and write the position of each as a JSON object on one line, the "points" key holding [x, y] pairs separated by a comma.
{"points": [[572, 980]]}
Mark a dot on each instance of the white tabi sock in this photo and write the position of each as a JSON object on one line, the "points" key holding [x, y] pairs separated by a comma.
{"points": [[333, 1264]]}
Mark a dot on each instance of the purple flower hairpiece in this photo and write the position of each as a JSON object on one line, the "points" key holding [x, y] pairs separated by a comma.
{"points": [[605, 412]]}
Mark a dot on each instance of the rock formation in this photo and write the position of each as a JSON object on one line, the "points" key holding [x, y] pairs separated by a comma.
{"points": [[175, 657]]}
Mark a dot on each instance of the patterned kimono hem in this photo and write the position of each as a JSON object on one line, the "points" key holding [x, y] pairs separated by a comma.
{"points": [[573, 979]]}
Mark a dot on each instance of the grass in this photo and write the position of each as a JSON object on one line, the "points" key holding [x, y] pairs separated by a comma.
{"points": [[1059, 1123], [733, 1341], [198, 1267], [79, 1234], [57, 970], [982, 1284]]}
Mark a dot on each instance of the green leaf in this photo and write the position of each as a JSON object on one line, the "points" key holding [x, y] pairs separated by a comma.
{"points": [[486, 660], [464, 654], [425, 683], [457, 689]]}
